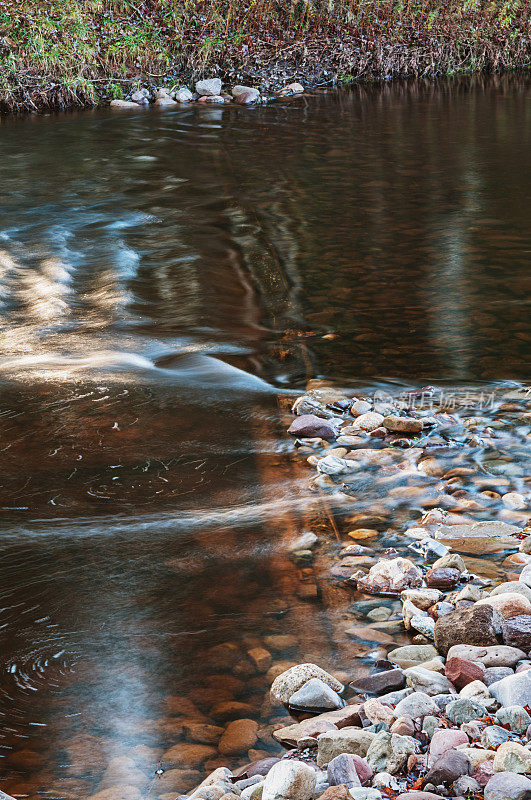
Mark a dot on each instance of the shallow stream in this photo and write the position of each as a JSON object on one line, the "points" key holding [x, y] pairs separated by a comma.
{"points": [[168, 281]]}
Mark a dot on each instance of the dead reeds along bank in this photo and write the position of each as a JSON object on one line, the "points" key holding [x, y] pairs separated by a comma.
{"points": [[57, 54]]}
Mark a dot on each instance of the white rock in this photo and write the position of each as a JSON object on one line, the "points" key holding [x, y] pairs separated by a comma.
{"points": [[289, 780], [476, 690], [209, 87], [514, 690], [498, 655], [316, 694], [428, 681], [345, 740], [293, 679], [525, 575], [183, 95], [367, 422], [416, 706], [422, 598], [391, 575], [510, 587], [514, 500]]}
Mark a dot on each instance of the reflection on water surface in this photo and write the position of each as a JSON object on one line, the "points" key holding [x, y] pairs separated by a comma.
{"points": [[162, 276]]}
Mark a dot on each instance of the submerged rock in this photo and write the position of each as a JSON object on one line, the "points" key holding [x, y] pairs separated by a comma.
{"points": [[479, 537]]}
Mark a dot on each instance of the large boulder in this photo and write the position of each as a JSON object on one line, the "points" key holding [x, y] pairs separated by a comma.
{"points": [[476, 625]]}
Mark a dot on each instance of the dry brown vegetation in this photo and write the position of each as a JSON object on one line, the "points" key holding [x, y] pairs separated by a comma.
{"points": [[63, 53]]}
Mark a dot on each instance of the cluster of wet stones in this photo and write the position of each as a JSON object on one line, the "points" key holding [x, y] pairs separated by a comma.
{"points": [[443, 714], [449, 714], [208, 90]]}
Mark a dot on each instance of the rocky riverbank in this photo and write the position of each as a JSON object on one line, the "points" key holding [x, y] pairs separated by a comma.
{"points": [[208, 90], [59, 55], [447, 714]]}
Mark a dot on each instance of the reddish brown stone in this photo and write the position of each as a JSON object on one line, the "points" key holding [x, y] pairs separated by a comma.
{"points": [[336, 793], [442, 578], [460, 671]]}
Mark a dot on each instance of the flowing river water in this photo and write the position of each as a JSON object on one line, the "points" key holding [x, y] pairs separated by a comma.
{"points": [[165, 278]]}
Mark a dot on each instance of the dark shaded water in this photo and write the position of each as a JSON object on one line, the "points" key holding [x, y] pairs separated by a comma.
{"points": [[162, 277]]}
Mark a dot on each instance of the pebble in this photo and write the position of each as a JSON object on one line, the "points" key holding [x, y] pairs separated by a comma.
{"points": [[477, 625], [464, 710], [514, 690], [508, 786], [515, 718], [512, 757], [289, 780], [310, 425], [402, 424], [315, 694], [208, 87], [293, 679], [391, 576]]}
